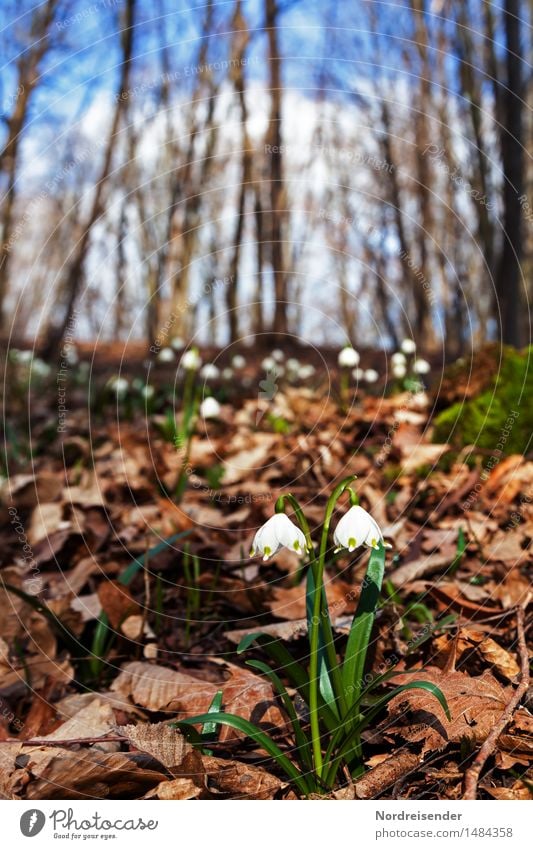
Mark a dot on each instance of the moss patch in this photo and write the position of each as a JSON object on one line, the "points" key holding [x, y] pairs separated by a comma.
{"points": [[499, 417]]}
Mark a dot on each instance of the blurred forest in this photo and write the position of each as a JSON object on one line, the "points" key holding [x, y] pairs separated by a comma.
{"points": [[336, 171]]}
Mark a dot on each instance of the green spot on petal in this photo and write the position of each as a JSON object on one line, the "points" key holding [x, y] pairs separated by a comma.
{"points": [[352, 543]]}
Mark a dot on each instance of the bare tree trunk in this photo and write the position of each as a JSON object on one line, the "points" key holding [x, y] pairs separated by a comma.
{"points": [[277, 193], [27, 80], [241, 39], [507, 309], [74, 276], [258, 322]]}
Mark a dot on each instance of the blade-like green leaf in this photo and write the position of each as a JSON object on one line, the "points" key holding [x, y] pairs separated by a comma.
{"points": [[302, 742], [361, 629], [258, 736], [210, 728]]}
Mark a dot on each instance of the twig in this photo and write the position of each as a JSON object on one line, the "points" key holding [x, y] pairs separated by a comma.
{"points": [[474, 770]]}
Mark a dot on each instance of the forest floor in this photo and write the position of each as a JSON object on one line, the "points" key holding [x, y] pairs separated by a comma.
{"points": [[121, 609]]}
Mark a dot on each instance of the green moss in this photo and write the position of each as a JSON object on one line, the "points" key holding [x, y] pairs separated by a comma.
{"points": [[501, 416]]}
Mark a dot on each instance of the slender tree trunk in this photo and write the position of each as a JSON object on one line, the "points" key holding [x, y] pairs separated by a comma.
{"points": [[277, 194], [27, 80], [74, 277], [507, 308]]}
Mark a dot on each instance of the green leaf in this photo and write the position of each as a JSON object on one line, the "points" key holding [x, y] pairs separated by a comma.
{"points": [[302, 742], [258, 736], [361, 629], [210, 728]]}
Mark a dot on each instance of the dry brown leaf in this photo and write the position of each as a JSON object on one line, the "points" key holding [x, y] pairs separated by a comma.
{"points": [[167, 745], [117, 602], [50, 773], [177, 788], [475, 705], [240, 780], [518, 791]]}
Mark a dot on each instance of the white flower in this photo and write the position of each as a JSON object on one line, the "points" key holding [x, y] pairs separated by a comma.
{"points": [[268, 364], [119, 385], [408, 346], [398, 370], [166, 355], [421, 367], [238, 361], [227, 373], [278, 532], [398, 359], [358, 374], [306, 371], [278, 355], [209, 408], [40, 368], [177, 343], [348, 357], [147, 391], [71, 355], [209, 371], [293, 364], [191, 360], [357, 527], [371, 375]]}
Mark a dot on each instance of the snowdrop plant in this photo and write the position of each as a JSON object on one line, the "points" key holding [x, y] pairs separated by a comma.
{"points": [[338, 695]]}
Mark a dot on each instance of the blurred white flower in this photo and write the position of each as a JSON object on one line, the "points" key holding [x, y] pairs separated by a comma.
{"points": [[358, 374], [227, 373], [191, 360], [209, 408], [40, 368], [420, 400], [268, 364], [398, 359], [408, 346], [23, 357], [348, 357], [357, 527], [177, 343], [421, 367], [166, 355], [399, 370], [209, 371], [147, 391], [371, 375], [278, 532], [238, 361], [293, 364], [278, 355], [71, 355], [119, 385], [306, 371]]}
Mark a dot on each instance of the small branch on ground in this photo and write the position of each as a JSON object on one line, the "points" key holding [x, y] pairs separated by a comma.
{"points": [[487, 749]]}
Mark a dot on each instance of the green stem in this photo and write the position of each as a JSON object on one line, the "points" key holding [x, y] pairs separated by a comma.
{"points": [[321, 618]]}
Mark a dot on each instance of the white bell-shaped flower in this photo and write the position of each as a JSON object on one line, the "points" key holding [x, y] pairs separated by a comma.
{"points": [[209, 408], [348, 357], [210, 371], [421, 366], [357, 527], [278, 532], [399, 370], [371, 375], [408, 346], [398, 359], [191, 360]]}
